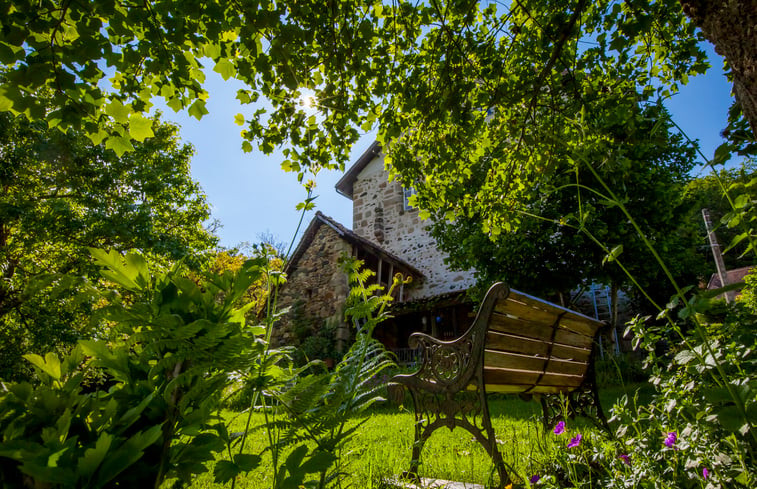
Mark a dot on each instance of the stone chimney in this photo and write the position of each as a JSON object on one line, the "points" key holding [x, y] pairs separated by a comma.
{"points": [[378, 224]]}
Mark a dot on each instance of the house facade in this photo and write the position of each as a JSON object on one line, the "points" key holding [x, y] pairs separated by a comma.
{"points": [[388, 235], [380, 212]]}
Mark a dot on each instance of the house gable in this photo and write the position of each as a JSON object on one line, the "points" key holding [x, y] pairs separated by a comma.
{"points": [[379, 215], [317, 287]]}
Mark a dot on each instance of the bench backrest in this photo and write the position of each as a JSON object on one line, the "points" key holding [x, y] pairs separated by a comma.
{"points": [[533, 346]]}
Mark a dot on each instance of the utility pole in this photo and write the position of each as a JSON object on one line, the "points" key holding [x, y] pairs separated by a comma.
{"points": [[715, 246]]}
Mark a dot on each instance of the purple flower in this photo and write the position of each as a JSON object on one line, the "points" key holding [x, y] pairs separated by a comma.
{"points": [[670, 440], [705, 473], [535, 478], [559, 428], [625, 458], [574, 442]]}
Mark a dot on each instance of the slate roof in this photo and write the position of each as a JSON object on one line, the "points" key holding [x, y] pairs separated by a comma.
{"points": [[430, 302], [320, 219]]}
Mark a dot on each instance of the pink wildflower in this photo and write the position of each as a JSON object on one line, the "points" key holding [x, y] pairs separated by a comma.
{"points": [[575, 441], [670, 440], [559, 428], [625, 458]]}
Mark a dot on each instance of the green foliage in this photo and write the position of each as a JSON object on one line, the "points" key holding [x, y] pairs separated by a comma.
{"points": [[279, 50], [233, 260], [59, 194], [729, 195], [173, 344], [530, 89], [563, 212], [482, 109], [320, 344], [692, 402], [693, 432], [58, 433], [434, 67], [622, 369], [320, 404]]}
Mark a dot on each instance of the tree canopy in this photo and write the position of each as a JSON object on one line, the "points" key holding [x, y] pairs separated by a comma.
{"points": [[550, 254], [59, 195], [424, 65], [476, 103], [342, 51]]}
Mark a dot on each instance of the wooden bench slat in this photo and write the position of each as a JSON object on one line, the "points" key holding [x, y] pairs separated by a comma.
{"points": [[519, 389], [579, 325], [537, 303], [572, 323], [499, 359], [525, 306], [528, 346], [529, 329], [514, 307], [523, 377]]}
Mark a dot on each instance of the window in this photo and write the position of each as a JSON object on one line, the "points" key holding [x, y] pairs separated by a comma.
{"points": [[406, 193]]}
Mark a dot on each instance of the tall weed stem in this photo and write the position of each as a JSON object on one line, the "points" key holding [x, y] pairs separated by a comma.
{"points": [[723, 381], [272, 293]]}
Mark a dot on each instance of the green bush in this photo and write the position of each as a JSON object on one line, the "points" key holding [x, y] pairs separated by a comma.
{"points": [[174, 342], [694, 432]]}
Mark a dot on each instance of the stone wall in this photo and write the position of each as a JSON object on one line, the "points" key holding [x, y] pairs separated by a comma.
{"points": [[316, 288], [378, 215]]}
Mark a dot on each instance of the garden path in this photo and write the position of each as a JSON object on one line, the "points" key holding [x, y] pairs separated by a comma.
{"points": [[429, 483]]}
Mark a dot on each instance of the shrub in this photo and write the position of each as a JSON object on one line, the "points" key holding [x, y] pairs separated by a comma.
{"points": [[174, 343]]}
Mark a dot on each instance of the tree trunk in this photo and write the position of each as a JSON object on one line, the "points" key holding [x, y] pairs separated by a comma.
{"points": [[731, 25]]}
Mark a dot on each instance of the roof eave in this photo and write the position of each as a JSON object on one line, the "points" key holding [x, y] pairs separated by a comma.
{"points": [[347, 235], [344, 185]]}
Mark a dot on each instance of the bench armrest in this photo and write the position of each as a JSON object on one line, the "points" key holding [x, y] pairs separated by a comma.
{"points": [[445, 365], [449, 366], [422, 340]]}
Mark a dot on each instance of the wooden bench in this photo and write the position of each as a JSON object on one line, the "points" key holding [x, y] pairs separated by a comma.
{"points": [[518, 344]]}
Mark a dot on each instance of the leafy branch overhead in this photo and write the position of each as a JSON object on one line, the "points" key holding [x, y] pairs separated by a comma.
{"points": [[146, 50], [417, 69]]}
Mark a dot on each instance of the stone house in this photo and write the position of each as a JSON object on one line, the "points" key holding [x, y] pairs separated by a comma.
{"points": [[390, 237]]}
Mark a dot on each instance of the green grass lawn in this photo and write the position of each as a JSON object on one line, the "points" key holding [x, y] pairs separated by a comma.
{"points": [[381, 447]]}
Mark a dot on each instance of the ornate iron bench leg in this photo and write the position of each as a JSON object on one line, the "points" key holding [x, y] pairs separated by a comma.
{"points": [[467, 410], [586, 398], [583, 401], [496, 456], [586, 402], [418, 442]]}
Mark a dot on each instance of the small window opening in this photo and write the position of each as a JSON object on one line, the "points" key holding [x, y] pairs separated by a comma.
{"points": [[406, 193]]}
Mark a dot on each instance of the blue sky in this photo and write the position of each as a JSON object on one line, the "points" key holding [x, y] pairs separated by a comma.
{"points": [[250, 194]]}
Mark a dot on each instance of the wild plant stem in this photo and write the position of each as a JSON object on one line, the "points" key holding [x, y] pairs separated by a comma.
{"points": [[169, 427], [363, 352], [271, 304], [723, 189], [697, 323]]}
